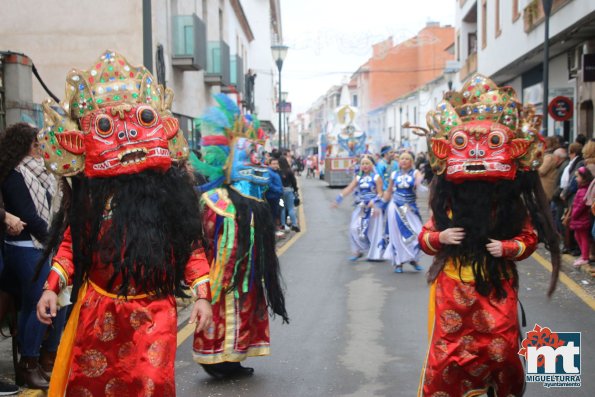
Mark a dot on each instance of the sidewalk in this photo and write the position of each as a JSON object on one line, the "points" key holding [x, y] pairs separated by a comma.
{"points": [[588, 269], [581, 276]]}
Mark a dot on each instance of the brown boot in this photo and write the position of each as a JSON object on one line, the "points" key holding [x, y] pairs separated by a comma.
{"points": [[30, 375], [46, 362]]}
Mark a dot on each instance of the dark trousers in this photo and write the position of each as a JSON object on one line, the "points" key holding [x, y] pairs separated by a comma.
{"points": [[20, 263], [275, 210]]}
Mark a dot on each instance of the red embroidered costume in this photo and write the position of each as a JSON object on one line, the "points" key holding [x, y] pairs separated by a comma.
{"points": [[239, 230], [123, 242], [485, 150], [241, 324]]}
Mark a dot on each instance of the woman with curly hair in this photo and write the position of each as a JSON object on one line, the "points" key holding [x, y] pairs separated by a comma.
{"points": [[27, 189], [9, 224]]}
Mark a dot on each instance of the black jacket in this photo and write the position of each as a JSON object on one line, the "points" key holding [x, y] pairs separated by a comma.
{"points": [[18, 201]]}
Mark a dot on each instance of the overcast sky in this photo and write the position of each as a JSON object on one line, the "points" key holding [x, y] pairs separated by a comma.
{"points": [[329, 39]]}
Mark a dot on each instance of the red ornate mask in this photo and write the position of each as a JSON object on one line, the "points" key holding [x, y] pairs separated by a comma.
{"points": [[482, 133], [124, 140], [115, 120], [480, 150]]}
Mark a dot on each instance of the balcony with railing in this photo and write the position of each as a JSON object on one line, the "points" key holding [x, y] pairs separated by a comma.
{"points": [[218, 63], [236, 75], [468, 67], [189, 43], [533, 13]]}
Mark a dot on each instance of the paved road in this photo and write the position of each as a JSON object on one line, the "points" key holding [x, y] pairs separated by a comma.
{"points": [[357, 329]]}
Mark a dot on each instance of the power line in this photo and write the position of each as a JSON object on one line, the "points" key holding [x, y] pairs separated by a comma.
{"points": [[47, 90], [350, 72], [35, 73]]}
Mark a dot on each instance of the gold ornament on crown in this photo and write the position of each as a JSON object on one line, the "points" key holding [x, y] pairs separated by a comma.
{"points": [[110, 81]]}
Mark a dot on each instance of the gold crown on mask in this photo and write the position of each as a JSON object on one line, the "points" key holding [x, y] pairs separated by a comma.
{"points": [[481, 99], [111, 81]]}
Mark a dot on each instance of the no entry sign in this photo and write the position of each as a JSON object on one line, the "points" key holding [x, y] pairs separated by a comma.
{"points": [[560, 108]]}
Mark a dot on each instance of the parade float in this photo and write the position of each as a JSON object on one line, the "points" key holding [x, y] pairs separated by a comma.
{"points": [[344, 144]]}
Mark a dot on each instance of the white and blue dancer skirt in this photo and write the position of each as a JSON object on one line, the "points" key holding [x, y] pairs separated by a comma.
{"points": [[404, 224], [366, 231], [376, 234]]}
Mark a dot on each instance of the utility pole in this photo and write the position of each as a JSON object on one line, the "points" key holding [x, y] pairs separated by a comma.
{"points": [[147, 36], [547, 10]]}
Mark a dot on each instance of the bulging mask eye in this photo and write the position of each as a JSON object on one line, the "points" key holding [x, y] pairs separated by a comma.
{"points": [[459, 140], [496, 139], [146, 116], [104, 126]]}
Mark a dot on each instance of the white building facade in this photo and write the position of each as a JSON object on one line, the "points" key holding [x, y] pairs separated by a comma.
{"points": [[411, 108], [197, 47], [505, 41]]}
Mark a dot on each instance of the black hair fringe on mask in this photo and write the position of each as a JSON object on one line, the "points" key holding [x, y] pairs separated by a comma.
{"points": [[495, 210], [143, 228]]}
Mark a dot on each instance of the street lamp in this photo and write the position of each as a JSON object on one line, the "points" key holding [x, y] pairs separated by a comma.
{"points": [[449, 75], [450, 71], [547, 10], [279, 52], [286, 129]]}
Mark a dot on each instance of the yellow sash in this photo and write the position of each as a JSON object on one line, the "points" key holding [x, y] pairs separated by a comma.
{"points": [[61, 372], [103, 292], [59, 378]]}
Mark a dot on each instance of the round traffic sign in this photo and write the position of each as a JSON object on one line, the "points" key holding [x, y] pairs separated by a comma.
{"points": [[560, 108]]}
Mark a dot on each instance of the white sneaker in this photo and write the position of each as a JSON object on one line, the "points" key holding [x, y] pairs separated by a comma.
{"points": [[286, 228]]}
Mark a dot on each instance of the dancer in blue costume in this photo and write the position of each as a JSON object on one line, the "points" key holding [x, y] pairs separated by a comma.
{"points": [[366, 228], [403, 218], [384, 167]]}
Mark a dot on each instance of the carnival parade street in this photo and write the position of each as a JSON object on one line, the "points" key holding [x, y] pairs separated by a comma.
{"points": [[358, 329], [282, 198]]}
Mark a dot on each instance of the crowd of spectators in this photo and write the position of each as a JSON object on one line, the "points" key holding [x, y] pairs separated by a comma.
{"points": [[567, 179], [283, 193], [29, 199]]}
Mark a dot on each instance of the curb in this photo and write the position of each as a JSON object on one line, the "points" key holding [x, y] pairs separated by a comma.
{"points": [[32, 393], [588, 269]]}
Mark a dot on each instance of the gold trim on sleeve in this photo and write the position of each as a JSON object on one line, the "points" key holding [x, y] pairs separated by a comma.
{"points": [[522, 248], [427, 241]]}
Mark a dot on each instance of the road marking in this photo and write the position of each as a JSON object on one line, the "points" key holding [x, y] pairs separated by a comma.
{"points": [[567, 281], [188, 329], [32, 393], [297, 236], [185, 332]]}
